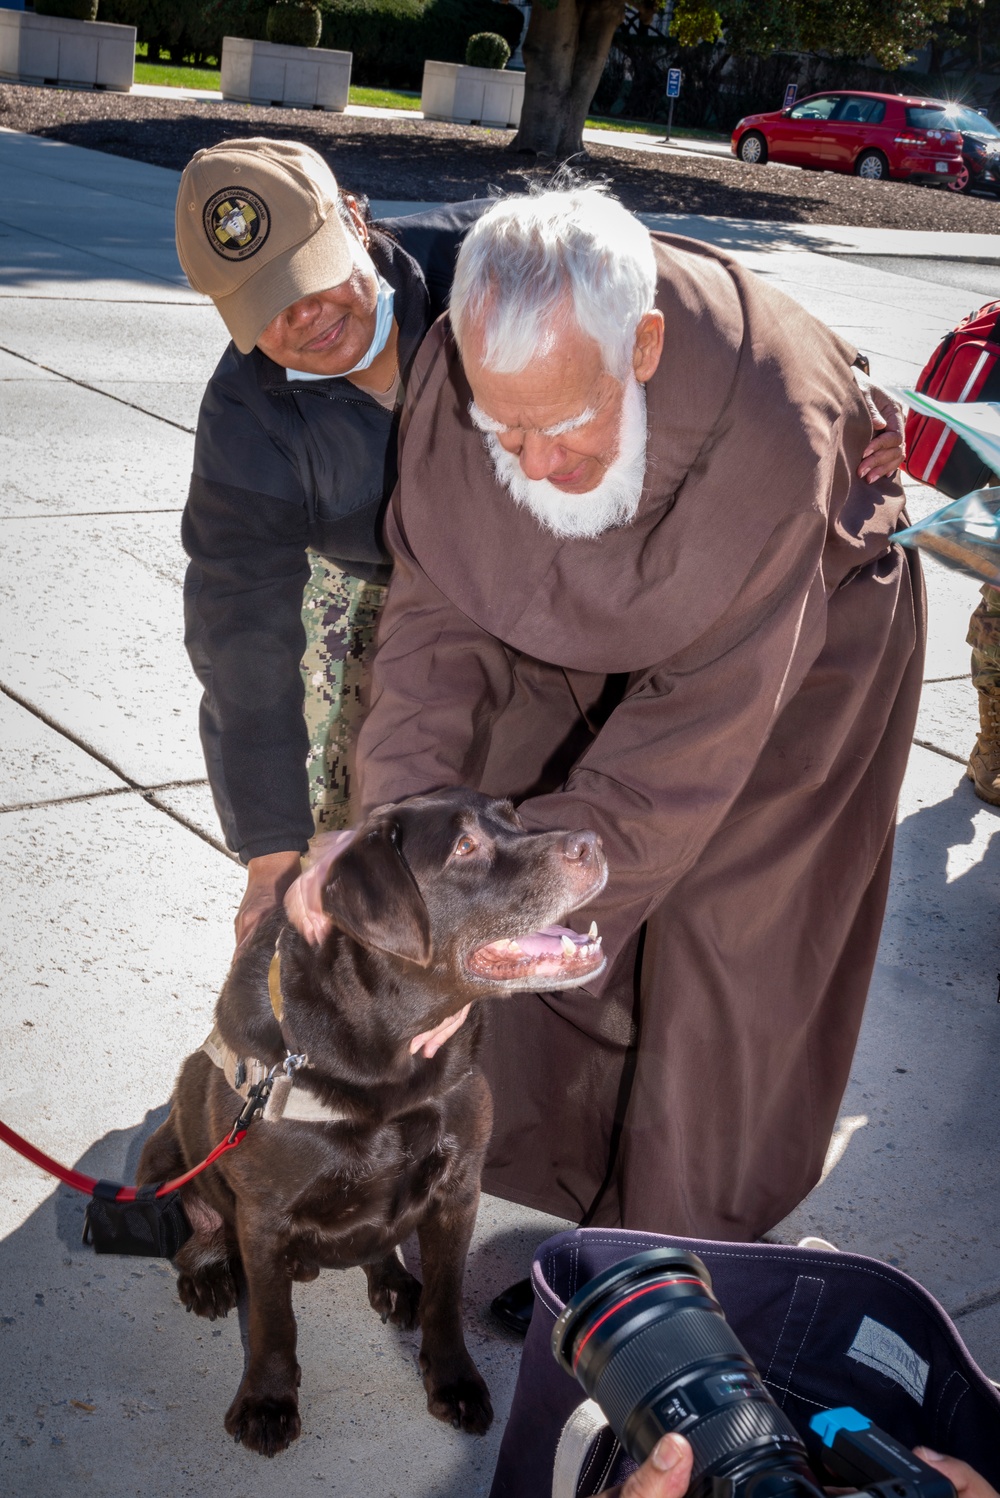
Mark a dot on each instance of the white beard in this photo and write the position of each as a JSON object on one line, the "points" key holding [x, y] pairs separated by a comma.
{"points": [[614, 501]]}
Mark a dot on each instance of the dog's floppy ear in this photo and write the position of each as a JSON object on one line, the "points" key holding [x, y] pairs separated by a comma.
{"points": [[374, 898]]}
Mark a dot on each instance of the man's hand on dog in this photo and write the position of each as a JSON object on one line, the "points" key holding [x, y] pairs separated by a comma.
{"points": [[268, 877], [303, 898]]}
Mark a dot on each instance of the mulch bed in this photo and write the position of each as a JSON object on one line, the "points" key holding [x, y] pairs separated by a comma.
{"points": [[424, 161]]}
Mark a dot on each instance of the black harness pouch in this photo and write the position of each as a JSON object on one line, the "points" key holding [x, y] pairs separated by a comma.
{"points": [[151, 1227]]}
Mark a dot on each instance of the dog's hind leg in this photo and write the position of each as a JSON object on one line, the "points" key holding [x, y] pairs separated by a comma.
{"points": [[208, 1261], [206, 1283], [393, 1291]]}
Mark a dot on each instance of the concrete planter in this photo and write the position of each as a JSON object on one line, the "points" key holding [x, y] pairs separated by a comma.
{"points": [[271, 73], [471, 96], [48, 49]]}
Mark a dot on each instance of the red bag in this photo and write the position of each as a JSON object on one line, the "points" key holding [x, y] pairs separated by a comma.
{"points": [[965, 366]]}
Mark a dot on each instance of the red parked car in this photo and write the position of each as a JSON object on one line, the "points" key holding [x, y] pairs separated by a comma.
{"points": [[876, 136]]}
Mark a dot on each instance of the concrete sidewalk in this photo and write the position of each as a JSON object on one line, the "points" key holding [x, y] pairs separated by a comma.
{"points": [[119, 896]]}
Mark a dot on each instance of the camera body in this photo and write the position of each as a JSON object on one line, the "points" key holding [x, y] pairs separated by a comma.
{"points": [[650, 1344]]}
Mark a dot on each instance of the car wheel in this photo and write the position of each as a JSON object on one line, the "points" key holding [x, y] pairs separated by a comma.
{"points": [[873, 166], [962, 182], [753, 148]]}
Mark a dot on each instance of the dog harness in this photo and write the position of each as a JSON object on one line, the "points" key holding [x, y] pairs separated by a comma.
{"points": [[285, 1101]]}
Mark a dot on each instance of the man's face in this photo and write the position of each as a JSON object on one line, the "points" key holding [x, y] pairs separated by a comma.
{"points": [[327, 333], [560, 417]]}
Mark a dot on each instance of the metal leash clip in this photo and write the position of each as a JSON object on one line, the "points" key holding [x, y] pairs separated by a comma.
{"points": [[292, 1063], [256, 1103]]}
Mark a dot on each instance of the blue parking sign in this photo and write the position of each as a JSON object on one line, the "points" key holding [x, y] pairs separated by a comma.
{"points": [[790, 95], [673, 83]]}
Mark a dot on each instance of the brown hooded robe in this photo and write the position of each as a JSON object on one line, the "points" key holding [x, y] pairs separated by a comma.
{"points": [[725, 689]]}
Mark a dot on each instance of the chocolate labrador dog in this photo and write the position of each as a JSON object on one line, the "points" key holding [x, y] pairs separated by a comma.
{"points": [[437, 902]]}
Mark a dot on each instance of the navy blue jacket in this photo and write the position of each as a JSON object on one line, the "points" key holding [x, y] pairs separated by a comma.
{"points": [[281, 465]]}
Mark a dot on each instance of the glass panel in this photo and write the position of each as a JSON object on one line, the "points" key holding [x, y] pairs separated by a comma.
{"points": [[816, 109], [960, 117], [858, 111]]}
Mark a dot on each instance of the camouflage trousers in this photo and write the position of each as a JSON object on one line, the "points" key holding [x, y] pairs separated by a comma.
{"points": [[340, 614], [984, 637]]}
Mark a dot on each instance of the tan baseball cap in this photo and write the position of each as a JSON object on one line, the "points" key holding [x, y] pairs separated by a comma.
{"points": [[258, 228]]}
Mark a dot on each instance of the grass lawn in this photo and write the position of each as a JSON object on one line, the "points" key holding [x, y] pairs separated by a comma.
{"points": [[184, 75]]}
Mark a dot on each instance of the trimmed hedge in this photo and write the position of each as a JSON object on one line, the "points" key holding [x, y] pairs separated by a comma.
{"points": [[487, 50], [294, 24], [391, 39], [68, 10]]}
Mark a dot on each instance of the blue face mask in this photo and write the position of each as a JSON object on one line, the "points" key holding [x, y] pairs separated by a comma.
{"points": [[383, 327]]}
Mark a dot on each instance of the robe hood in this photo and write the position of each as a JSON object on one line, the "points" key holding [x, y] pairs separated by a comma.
{"points": [[755, 427]]}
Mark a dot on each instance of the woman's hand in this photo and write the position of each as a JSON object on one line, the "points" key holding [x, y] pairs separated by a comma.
{"points": [[887, 449], [268, 877], [666, 1473]]}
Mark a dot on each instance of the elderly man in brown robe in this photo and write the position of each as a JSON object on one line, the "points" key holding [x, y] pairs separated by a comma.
{"points": [[641, 587]]}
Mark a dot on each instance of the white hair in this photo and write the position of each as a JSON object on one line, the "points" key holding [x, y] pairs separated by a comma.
{"points": [[529, 257]]}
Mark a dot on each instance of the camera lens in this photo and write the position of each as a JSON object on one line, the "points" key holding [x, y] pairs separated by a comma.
{"points": [[649, 1342]]}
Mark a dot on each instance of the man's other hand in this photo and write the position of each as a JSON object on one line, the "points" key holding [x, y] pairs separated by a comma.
{"points": [[887, 449], [268, 877], [966, 1482], [666, 1473]]}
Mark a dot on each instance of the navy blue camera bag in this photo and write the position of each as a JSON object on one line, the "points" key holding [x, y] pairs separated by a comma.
{"points": [[824, 1329]]}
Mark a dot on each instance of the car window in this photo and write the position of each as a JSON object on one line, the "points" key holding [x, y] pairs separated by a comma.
{"points": [[816, 109], [960, 117], [858, 111], [927, 117]]}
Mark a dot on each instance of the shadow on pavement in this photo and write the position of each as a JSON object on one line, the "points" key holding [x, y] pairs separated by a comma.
{"points": [[107, 1387]]}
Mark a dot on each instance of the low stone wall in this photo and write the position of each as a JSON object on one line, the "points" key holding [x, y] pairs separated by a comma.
{"points": [[49, 49], [271, 73]]}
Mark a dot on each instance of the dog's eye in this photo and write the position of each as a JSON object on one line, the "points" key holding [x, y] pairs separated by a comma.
{"points": [[465, 846]]}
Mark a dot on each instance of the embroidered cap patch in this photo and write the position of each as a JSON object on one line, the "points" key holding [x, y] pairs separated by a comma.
{"points": [[236, 223]]}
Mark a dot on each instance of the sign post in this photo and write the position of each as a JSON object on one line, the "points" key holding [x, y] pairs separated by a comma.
{"points": [[673, 89], [791, 93]]}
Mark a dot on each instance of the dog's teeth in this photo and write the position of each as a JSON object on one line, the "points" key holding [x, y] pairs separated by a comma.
{"points": [[512, 946], [592, 933], [568, 945]]}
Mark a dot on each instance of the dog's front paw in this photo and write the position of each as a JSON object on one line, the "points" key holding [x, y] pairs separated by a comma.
{"points": [[211, 1292], [463, 1402], [267, 1425]]}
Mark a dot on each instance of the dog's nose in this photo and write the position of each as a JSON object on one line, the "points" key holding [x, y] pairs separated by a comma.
{"points": [[581, 847]]}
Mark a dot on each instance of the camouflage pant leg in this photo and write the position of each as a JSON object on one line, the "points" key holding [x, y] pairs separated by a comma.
{"points": [[984, 637], [340, 614]]}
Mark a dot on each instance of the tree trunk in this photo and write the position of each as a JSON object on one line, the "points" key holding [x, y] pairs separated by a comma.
{"points": [[565, 50]]}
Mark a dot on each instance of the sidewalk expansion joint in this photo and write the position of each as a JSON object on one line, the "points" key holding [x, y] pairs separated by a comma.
{"points": [[147, 793], [96, 390], [981, 1303], [934, 681], [959, 759]]}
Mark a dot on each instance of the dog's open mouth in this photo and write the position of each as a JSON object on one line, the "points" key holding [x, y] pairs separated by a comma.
{"points": [[554, 957]]}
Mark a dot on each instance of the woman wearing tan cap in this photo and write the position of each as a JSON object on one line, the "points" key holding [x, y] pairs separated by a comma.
{"points": [[295, 458]]}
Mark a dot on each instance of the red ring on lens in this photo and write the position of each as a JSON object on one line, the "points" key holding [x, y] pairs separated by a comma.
{"points": [[657, 1285]]}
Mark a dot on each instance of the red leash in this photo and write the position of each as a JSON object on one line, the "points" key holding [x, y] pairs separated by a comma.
{"points": [[86, 1184]]}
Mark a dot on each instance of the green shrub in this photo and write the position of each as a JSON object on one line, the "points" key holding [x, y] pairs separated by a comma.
{"points": [[487, 50], [295, 24], [391, 39], [68, 10]]}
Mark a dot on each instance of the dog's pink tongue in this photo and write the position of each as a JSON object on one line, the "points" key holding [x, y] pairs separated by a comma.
{"points": [[548, 941]]}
